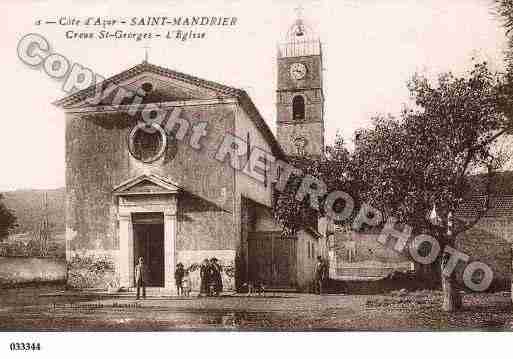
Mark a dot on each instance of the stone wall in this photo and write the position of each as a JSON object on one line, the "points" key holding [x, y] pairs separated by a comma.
{"points": [[17, 270], [97, 160], [246, 185], [312, 132], [203, 226], [310, 87], [364, 247], [490, 242], [306, 259], [360, 255], [313, 106]]}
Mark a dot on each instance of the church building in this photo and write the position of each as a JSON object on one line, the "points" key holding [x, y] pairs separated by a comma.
{"points": [[138, 189]]}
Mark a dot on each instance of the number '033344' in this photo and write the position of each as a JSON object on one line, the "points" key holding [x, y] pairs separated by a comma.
{"points": [[25, 346]]}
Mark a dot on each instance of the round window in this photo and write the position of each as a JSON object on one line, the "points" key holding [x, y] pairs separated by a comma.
{"points": [[147, 143], [147, 87]]}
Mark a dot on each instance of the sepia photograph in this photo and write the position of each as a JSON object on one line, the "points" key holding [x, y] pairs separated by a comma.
{"points": [[271, 166]]}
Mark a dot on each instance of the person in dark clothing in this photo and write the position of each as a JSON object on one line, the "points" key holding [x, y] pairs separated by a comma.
{"points": [[321, 275], [140, 270], [205, 277], [211, 279], [179, 274], [216, 280]]}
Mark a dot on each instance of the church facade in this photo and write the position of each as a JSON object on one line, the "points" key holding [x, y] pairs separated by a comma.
{"points": [[164, 189]]}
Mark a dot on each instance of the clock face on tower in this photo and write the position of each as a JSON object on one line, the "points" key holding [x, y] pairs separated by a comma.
{"points": [[297, 71]]}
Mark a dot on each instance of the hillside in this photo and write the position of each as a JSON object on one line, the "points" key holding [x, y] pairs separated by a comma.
{"points": [[28, 208]]}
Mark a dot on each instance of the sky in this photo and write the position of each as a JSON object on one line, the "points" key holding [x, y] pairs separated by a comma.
{"points": [[371, 48]]}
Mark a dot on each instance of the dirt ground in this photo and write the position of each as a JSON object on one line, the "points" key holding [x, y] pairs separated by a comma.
{"points": [[50, 309]]}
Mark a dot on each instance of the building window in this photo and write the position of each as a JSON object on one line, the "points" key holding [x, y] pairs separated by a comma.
{"points": [[147, 143], [298, 108], [147, 87]]}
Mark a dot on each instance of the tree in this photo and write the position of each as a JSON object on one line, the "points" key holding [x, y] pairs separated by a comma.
{"points": [[504, 9], [333, 170], [7, 220], [424, 158]]}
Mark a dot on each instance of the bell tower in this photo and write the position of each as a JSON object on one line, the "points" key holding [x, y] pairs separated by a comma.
{"points": [[299, 94]]}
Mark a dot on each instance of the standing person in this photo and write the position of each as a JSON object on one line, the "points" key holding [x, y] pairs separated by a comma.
{"points": [[320, 275], [179, 274], [217, 280], [140, 270], [186, 284], [205, 277]]}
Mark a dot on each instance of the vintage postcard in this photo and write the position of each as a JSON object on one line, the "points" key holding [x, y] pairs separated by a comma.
{"points": [[256, 166]]}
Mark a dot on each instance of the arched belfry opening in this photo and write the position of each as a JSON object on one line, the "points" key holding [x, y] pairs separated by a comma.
{"points": [[298, 108], [300, 40]]}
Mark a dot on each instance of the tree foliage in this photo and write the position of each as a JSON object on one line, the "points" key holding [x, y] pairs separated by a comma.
{"points": [[424, 157], [504, 9], [7, 219], [404, 166], [334, 170]]}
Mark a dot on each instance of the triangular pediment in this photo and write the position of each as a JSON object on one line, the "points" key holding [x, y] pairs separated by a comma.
{"points": [[146, 184], [158, 83]]}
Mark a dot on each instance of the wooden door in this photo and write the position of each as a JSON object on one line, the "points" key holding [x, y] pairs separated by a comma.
{"points": [[149, 244], [260, 258], [281, 261], [271, 259]]}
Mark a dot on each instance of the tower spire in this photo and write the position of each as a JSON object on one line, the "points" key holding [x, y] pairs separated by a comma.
{"points": [[146, 53], [299, 30], [299, 12]]}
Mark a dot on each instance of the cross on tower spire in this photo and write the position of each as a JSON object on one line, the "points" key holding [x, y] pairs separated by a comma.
{"points": [[299, 26], [299, 11], [146, 48]]}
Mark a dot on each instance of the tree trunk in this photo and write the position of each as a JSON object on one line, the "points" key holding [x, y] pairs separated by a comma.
{"points": [[451, 295]]}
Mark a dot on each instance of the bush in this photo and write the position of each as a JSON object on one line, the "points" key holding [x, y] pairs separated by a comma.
{"points": [[92, 272]]}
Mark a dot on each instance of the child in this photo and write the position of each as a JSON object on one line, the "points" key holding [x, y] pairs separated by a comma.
{"points": [[186, 284]]}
